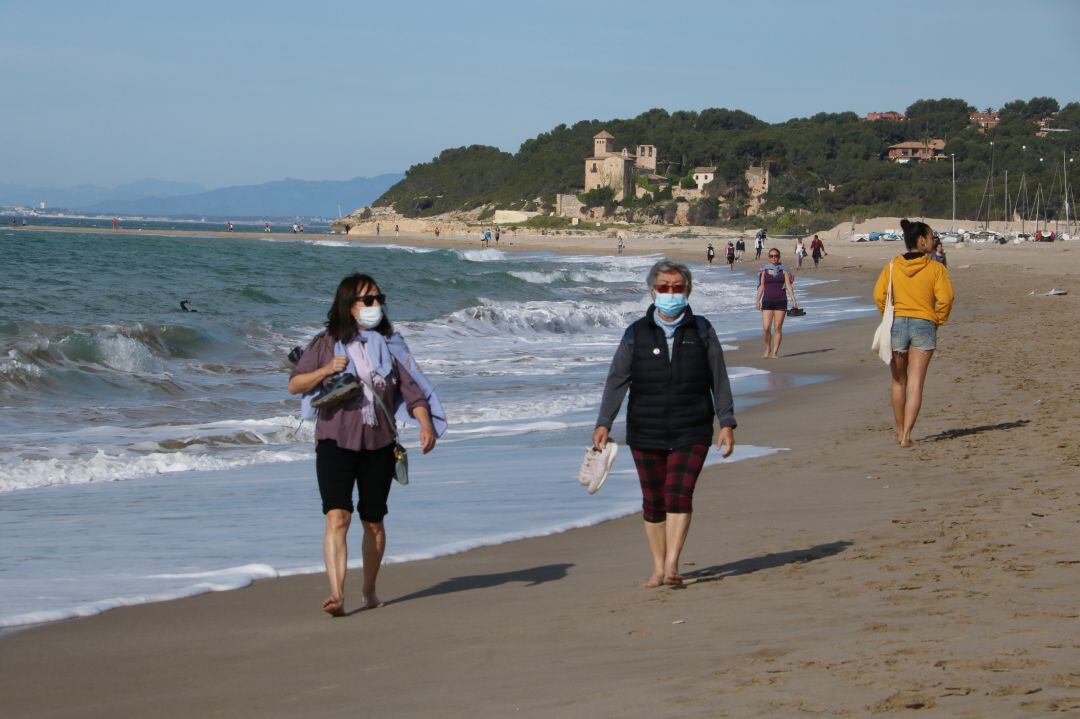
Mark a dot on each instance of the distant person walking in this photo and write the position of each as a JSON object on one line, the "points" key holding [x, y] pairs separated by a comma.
{"points": [[378, 229], [710, 253], [115, 222], [498, 233], [817, 250], [355, 440], [266, 227], [800, 252], [922, 297], [437, 232], [774, 288], [731, 256], [622, 246], [672, 364], [759, 244], [295, 228], [228, 227], [740, 248]]}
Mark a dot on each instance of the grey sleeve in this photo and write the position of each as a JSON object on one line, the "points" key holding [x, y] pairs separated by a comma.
{"points": [[618, 382], [722, 399]]}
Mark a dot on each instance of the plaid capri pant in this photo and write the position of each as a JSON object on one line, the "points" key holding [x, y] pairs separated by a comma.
{"points": [[668, 478]]}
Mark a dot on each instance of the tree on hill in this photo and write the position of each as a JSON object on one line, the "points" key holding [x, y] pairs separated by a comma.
{"points": [[939, 118]]}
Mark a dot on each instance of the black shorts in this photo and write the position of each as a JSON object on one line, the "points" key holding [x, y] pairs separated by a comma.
{"points": [[339, 470], [774, 305]]}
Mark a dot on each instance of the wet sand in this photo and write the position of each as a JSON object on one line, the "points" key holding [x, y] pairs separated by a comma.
{"points": [[844, 577]]}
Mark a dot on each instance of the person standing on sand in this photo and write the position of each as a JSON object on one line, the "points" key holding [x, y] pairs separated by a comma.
{"points": [[115, 223], [759, 243], [774, 287], [710, 253], [619, 247], [355, 440], [817, 250], [740, 248], [731, 256], [922, 300], [672, 364], [938, 254], [378, 229], [800, 252]]}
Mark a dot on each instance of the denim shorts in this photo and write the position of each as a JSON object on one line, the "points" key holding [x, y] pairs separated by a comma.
{"points": [[913, 332]]}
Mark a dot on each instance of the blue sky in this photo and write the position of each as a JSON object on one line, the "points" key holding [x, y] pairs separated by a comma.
{"points": [[240, 92]]}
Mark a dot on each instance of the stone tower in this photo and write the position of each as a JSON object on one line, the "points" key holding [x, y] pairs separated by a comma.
{"points": [[603, 143]]}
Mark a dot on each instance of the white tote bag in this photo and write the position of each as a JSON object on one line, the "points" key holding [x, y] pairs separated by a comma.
{"points": [[882, 343]]}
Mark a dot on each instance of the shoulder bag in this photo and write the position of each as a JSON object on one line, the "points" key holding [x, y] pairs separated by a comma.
{"points": [[882, 343]]}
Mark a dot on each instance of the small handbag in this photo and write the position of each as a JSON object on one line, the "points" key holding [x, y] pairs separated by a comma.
{"points": [[882, 343]]}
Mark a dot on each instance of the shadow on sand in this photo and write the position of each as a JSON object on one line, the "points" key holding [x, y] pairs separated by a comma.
{"points": [[768, 561], [530, 577], [967, 431], [810, 352]]}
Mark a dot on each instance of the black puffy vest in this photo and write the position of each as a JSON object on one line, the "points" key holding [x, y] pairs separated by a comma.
{"points": [[671, 404]]}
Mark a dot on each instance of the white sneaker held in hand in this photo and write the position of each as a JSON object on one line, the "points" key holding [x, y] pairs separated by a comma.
{"points": [[597, 465]]}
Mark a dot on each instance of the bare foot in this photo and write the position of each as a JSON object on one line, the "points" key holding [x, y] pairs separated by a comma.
{"points": [[766, 355], [656, 580], [906, 443], [674, 580], [334, 606], [371, 601], [774, 356]]}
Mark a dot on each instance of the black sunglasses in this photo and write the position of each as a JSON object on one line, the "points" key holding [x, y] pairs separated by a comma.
{"points": [[369, 300]]}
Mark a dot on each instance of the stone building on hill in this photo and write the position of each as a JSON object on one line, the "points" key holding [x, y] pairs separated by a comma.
{"points": [[703, 176], [904, 152], [608, 168]]}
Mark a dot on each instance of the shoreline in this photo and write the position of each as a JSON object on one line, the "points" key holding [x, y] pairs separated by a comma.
{"points": [[832, 589]]}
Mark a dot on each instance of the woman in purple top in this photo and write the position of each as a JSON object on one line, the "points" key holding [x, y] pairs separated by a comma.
{"points": [[774, 286], [355, 439]]}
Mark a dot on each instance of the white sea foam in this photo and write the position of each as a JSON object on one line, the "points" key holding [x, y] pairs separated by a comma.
{"points": [[221, 580], [103, 467], [485, 255]]}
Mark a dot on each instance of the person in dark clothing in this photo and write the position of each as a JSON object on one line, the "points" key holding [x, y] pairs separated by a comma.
{"points": [[672, 364]]}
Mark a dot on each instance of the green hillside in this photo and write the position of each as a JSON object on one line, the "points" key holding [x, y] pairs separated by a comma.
{"points": [[805, 155]]}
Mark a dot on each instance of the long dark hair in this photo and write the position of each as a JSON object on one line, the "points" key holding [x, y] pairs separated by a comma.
{"points": [[340, 323], [913, 231]]}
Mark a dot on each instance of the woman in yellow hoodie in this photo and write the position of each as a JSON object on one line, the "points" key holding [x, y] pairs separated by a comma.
{"points": [[922, 300]]}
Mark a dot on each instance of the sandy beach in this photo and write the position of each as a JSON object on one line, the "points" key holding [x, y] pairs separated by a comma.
{"points": [[843, 577]]}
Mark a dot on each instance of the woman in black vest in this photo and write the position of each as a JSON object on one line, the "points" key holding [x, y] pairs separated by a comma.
{"points": [[672, 364]]}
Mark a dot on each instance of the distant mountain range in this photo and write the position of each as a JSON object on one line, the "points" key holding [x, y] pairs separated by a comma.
{"points": [[280, 198], [83, 197]]}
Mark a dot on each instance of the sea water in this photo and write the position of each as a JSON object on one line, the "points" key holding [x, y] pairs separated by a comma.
{"points": [[148, 453]]}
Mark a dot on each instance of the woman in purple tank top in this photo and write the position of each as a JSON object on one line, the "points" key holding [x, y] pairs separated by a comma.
{"points": [[774, 286]]}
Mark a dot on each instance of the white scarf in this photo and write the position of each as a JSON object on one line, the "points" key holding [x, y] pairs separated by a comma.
{"points": [[358, 353]]}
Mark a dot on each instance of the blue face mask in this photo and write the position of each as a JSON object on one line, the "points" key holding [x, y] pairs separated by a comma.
{"points": [[670, 304]]}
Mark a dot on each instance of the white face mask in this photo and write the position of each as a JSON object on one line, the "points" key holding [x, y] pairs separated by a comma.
{"points": [[370, 317]]}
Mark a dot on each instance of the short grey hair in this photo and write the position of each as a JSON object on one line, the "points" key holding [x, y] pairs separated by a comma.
{"points": [[666, 265]]}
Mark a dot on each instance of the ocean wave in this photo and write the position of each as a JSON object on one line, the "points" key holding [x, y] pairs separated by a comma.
{"points": [[222, 580], [563, 317], [103, 467], [486, 255]]}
